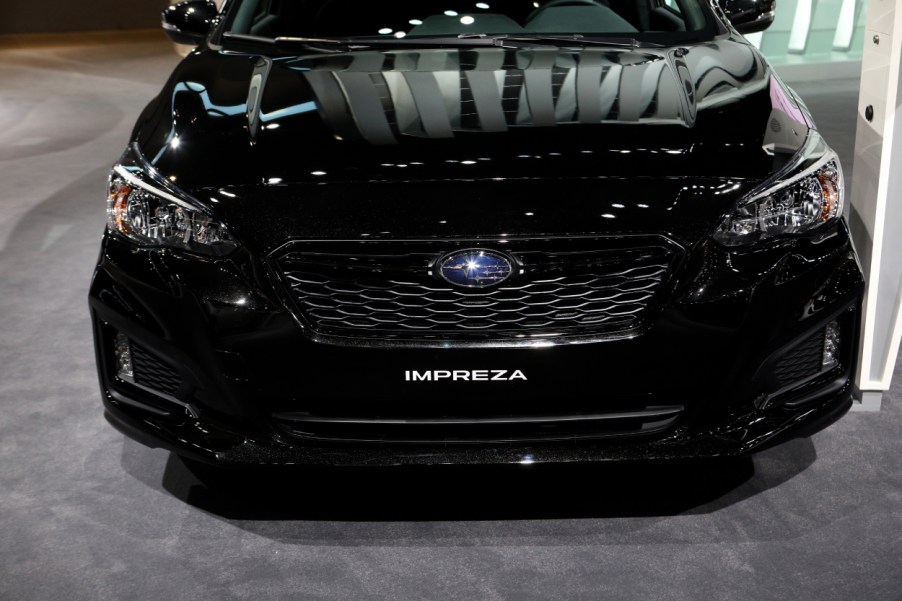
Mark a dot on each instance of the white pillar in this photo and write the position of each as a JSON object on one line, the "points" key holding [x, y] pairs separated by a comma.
{"points": [[876, 199]]}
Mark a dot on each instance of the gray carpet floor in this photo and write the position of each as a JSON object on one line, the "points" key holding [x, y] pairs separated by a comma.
{"points": [[87, 514]]}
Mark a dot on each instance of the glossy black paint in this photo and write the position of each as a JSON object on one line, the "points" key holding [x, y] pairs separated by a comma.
{"points": [[365, 153], [714, 103], [750, 16], [189, 22]]}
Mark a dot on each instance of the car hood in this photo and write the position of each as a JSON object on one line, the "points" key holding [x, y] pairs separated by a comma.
{"points": [[339, 132]]}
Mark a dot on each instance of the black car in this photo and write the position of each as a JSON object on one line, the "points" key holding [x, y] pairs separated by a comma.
{"points": [[417, 232]]}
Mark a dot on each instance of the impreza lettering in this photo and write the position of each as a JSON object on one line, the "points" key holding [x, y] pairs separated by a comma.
{"points": [[419, 377], [464, 375]]}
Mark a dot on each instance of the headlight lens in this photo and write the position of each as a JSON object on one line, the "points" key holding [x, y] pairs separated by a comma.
{"points": [[149, 218], [794, 204]]}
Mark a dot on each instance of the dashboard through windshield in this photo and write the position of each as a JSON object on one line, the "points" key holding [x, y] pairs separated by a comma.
{"points": [[662, 21]]}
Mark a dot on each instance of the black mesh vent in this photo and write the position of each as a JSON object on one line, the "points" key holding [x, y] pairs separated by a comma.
{"points": [[152, 373], [393, 294], [802, 361]]}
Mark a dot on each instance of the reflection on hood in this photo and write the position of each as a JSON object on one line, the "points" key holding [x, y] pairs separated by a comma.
{"points": [[434, 93], [449, 114]]}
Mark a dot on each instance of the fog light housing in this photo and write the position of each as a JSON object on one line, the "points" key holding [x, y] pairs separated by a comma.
{"points": [[123, 353], [831, 346]]}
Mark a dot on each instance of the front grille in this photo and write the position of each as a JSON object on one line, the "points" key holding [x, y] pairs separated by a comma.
{"points": [[802, 361], [153, 373], [388, 290], [488, 428]]}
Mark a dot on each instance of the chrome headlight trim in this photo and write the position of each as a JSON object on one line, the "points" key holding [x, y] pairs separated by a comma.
{"points": [[136, 181], [805, 195], [145, 209]]}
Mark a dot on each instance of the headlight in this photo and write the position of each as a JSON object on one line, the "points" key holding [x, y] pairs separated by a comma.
{"points": [[148, 215], [809, 194]]}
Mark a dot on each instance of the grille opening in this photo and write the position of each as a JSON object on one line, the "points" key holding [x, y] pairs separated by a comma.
{"points": [[485, 428], [140, 377], [389, 290], [816, 354], [153, 373], [136, 365]]}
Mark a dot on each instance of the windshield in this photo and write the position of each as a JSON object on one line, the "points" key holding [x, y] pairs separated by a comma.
{"points": [[648, 20]]}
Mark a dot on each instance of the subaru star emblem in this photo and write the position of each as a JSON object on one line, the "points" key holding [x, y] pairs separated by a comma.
{"points": [[475, 268]]}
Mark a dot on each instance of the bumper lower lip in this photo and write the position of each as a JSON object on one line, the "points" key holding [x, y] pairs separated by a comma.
{"points": [[204, 442]]}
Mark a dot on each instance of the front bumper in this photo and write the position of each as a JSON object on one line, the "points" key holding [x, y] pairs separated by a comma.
{"points": [[714, 364], [202, 441]]}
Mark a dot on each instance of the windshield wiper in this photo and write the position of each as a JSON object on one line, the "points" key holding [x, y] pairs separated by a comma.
{"points": [[311, 43], [464, 39], [328, 44], [576, 38], [393, 41]]}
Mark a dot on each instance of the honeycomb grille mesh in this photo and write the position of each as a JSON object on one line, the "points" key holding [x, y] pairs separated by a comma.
{"points": [[395, 295], [802, 361], [151, 372]]}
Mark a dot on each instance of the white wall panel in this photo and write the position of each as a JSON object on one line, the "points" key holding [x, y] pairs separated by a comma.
{"points": [[876, 203]]}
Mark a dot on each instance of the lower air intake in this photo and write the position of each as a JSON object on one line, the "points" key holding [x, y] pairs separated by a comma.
{"points": [[814, 355], [488, 428], [152, 373]]}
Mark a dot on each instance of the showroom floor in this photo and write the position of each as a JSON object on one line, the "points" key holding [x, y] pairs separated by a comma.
{"points": [[87, 514]]}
